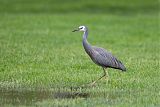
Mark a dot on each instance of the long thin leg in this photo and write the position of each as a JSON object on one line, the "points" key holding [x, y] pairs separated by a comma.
{"points": [[105, 74]]}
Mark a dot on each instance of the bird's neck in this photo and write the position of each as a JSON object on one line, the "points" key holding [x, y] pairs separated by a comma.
{"points": [[86, 45], [85, 35]]}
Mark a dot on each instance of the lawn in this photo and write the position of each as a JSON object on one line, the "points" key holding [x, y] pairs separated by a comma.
{"points": [[40, 55]]}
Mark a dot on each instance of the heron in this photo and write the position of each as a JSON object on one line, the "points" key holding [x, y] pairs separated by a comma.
{"points": [[99, 55]]}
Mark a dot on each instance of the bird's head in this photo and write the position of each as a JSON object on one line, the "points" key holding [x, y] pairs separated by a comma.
{"points": [[81, 28]]}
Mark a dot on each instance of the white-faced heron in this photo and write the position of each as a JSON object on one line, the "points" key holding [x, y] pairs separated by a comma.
{"points": [[100, 56]]}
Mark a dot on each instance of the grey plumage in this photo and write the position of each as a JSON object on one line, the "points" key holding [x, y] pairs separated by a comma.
{"points": [[106, 59], [100, 56]]}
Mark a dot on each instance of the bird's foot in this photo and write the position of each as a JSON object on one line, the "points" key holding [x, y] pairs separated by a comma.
{"points": [[92, 84]]}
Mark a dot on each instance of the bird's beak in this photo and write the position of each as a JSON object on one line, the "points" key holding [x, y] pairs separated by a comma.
{"points": [[75, 30]]}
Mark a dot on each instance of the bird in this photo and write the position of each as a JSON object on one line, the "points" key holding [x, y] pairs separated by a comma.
{"points": [[99, 56]]}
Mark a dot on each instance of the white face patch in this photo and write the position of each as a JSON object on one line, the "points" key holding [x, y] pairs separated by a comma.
{"points": [[82, 28]]}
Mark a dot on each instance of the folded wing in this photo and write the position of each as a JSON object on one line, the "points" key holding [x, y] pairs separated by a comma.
{"points": [[106, 59]]}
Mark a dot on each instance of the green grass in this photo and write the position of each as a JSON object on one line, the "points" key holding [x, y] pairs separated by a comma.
{"points": [[39, 51], [88, 6]]}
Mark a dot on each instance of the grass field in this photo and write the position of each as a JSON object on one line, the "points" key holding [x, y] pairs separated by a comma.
{"points": [[40, 55]]}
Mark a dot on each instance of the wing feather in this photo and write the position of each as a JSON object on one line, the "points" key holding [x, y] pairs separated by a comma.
{"points": [[106, 59]]}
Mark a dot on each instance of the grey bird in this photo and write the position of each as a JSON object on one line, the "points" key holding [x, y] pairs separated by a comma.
{"points": [[99, 55]]}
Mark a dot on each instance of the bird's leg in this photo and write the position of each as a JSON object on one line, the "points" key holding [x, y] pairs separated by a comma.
{"points": [[107, 75], [99, 78]]}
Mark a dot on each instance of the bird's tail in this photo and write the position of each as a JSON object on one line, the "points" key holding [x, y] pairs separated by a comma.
{"points": [[122, 67]]}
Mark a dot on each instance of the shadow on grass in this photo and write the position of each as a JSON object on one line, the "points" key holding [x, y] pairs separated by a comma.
{"points": [[62, 95], [23, 97], [30, 97]]}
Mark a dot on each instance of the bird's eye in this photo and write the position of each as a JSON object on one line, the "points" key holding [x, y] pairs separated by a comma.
{"points": [[81, 28]]}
